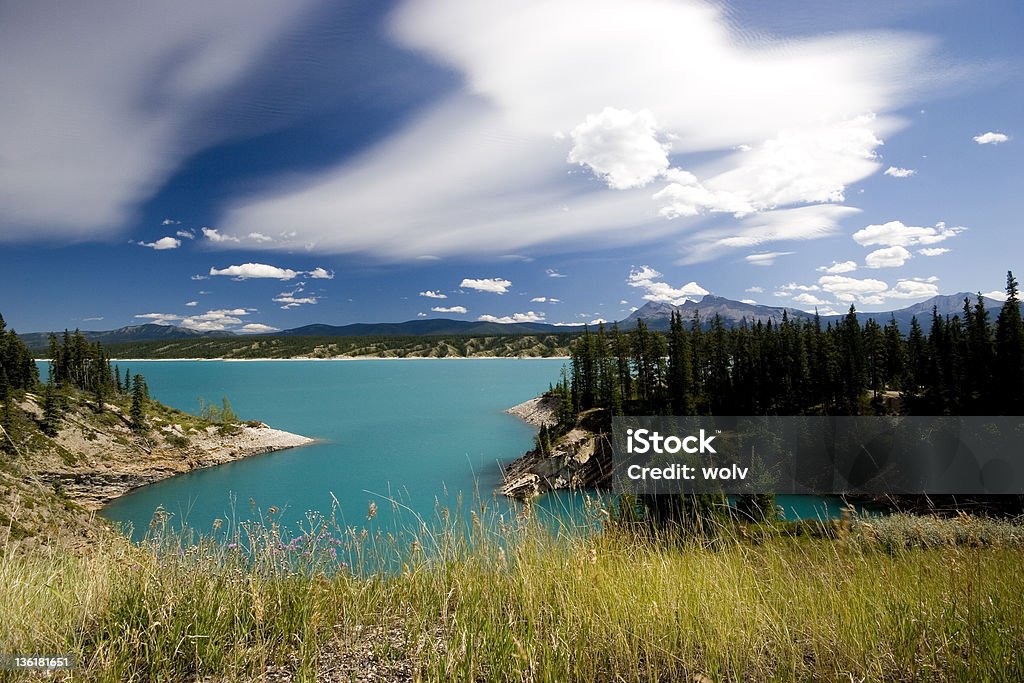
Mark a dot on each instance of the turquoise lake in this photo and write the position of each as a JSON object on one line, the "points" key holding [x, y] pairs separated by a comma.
{"points": [[421, 432]]}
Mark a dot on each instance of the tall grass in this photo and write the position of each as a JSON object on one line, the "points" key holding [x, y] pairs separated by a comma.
{"points": [[473, 597]]}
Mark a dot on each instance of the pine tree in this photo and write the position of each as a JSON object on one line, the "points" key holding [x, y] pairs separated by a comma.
{"points": [[137, 412], [52, 409], [1009, 343]]}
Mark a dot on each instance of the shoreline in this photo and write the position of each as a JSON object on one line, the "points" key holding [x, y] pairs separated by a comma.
{"points": [[334, 358], [109, 463]]}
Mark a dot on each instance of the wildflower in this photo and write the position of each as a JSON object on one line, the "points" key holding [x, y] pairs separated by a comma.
{"points": [[371, 511], [217, 524]]}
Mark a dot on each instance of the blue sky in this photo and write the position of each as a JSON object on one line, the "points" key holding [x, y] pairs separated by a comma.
{"points": [[263, 165]]}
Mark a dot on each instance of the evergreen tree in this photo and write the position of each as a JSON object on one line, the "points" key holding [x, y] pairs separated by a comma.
{"points": [[137, 413], [1009, 344], [53, 409]]}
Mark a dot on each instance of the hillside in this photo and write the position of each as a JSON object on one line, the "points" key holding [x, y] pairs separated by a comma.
{"points": [[51, 484], [512, 346]]}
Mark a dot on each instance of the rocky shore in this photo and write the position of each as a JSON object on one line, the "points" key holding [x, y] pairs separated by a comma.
{"points": [[579, 458], [110, 464], [52, 484]]}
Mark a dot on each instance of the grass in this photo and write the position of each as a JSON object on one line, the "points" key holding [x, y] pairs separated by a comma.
{"points": [[477, 598]]}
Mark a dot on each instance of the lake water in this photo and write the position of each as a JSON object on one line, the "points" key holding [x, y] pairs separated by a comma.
{"points": [[419, 431], [422, 432]]}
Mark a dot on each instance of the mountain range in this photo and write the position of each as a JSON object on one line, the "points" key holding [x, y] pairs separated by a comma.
{"points": [[656, 315]]}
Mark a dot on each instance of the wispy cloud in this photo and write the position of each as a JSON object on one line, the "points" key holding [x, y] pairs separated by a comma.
{"points": [[551, 272], [544, 300], [481, 173], [130, 95], [431, 294], [765, 258], [449, 309]]}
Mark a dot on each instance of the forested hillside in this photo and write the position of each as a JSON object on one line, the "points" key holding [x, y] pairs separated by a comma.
{"points": [[532, 346]]}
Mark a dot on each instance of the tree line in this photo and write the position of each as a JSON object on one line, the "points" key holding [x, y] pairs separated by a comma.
{"points": [[76, 365], [965, 364]]}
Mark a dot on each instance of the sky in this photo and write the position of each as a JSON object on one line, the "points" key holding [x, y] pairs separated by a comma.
{"points": [[257, 166]]}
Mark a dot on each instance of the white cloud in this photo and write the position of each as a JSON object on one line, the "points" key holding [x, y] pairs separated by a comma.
{"points": [[644, 277], [896, 234], [431, 294], [913, 289], [794, 287], [186, 234], [132, 86], [933, 251], [554, 273], [848, 289], [291, 301], [192, 303], [215, 321], [495, 285], [257, 328], [528, 317], [805, 165], [765, 258], [449, 309], [321, 274], [995, 294], [480, 172], [620, 147], [838, 267], [200, 277], [802, 223], [897, 172], [597, 321], [991, 138], [755, 290], [162, 243], [160, 318], [748, 301], [421, 314], [170, 221], [260, 237], [248, 271], [810, 300], [215, 236], [889, 257], [546, 299]]}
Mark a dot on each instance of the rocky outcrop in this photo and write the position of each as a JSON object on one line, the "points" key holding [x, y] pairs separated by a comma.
{"points": [[109, 465], [52, 483], [580, 458]]}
